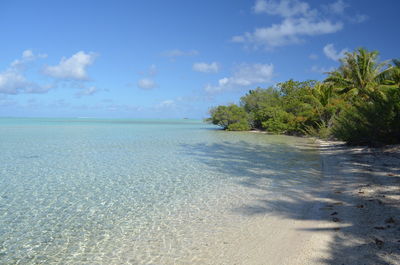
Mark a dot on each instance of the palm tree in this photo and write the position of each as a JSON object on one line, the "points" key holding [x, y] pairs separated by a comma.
{"points": [[359, 74], [371, 90], [391, 78], [323, 93], [326, 102]]}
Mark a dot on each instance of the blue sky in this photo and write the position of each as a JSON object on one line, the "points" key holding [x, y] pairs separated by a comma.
{"points": [[174, 59]]}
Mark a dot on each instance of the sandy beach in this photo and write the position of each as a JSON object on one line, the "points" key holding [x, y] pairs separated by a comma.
{"points": [[352, 218]]}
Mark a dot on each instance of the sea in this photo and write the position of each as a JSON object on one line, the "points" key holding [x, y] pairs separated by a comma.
{"points": [[130, 191]]}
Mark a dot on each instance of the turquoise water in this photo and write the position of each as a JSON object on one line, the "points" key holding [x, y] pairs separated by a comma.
{"points": [[87, 191]]}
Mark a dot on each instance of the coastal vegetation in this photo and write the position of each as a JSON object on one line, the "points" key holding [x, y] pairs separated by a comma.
{"points": [[359, 103]]}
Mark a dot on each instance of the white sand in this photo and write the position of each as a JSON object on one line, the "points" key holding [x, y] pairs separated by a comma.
{"points": [[352, 217]]}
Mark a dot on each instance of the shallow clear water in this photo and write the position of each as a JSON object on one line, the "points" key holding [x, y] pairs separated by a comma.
{"points": [[86, 191]]}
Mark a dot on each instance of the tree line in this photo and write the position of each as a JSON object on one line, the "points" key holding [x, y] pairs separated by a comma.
{"points": [[359, 103]]}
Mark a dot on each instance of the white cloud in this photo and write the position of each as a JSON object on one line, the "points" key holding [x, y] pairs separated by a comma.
{"points": [[291, 30], [13, 80], [27, 56], [206, 67], [245, 75], [166, 104], [238, 38], [73, 68], [299, 21], [337, 7], [284, 8], [88, 91], [331, 53], [260, 6], [179, 53], [146, 83], [321, 70]]}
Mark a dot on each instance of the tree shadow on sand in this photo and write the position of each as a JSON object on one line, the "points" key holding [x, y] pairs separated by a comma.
{"points": [[356, 193], [256, 165]]}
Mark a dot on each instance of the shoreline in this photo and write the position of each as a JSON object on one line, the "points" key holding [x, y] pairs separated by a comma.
{"points": [[351, 217]]}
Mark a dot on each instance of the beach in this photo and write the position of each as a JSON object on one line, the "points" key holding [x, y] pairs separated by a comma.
{"points": [[353, 217], [182, 192]]}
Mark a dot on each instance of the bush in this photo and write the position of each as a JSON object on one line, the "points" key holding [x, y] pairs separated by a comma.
{"points": [[371, 122], [275, 120], [231, 117], [256, 100], [238, 126]]}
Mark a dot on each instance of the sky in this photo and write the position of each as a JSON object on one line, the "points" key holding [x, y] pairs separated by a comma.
{"points": [[174, 59]]}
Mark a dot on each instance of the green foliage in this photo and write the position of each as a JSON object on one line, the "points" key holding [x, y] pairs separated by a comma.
{"points": [[358, 103], [276, 120], [291, 107], [256, 100], [239, 126], [373, 90], [297, 100], [371, 122], [286, 108], [391, 76], [359, 74], [231, 117]]}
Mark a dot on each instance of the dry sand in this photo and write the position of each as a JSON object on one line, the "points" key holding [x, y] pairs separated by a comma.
{"points": [[352, 217]]}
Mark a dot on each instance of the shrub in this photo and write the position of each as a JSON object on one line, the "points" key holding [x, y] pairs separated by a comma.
{"points": [[231, 117], [276, 120], [239, 126], [371, 122]]}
